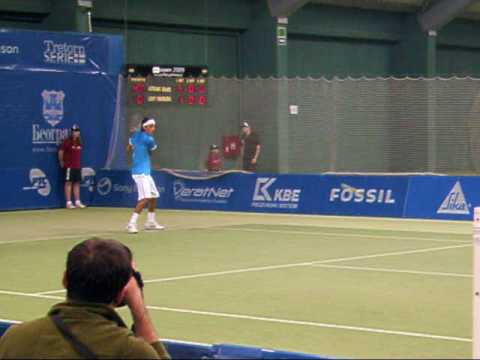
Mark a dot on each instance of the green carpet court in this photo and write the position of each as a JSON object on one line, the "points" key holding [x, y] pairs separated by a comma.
{"points": [[336, 286]]}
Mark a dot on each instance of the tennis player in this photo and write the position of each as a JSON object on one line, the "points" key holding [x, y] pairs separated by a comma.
{"points": [[141, 144]]}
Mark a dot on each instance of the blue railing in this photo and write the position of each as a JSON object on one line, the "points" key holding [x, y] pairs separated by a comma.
{"points": [[190, 350]]}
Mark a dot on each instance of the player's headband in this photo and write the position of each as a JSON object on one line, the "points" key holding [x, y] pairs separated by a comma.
{"points": [[149, 122]]}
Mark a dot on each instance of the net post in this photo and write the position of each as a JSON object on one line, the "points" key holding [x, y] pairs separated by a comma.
{"points": [[476, 283]]}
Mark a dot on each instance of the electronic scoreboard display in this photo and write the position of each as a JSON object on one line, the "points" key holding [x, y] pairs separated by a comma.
{"points": [[167, 84]]}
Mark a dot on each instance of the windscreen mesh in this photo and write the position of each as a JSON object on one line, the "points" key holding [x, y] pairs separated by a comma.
{"points": [[320, 125]]}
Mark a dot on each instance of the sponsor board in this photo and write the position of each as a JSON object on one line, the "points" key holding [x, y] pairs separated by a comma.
{"points": [[443, 197], [81, 53], [105, 186], [88, 179], [364, 195], [117, 188], [64, 53], [43, 138], [455, 202], [38, 182], [201, 192], [346, 194], [269, 194], [8, 49]]}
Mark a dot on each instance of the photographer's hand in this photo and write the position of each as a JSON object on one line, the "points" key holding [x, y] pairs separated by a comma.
{"points": [[141, 318]]}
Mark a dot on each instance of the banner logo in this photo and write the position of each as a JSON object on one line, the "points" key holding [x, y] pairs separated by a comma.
{"points": [[9, 50], [266, 195], [38, 182], [455, 202], [261, 189], [202, 194], [53, 111], [53, 106], [348, 194], [88, 179], [64, 53], [104, 186]]}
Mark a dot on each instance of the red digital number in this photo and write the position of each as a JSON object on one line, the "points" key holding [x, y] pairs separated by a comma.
{"points": [[191, 88], [138, 88], [181, 99], [140, 99], [180, 88], [202, 100], [202, 89], [191, 100]]}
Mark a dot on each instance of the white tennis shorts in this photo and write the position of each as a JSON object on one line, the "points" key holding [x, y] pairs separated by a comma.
{"points": [[145, 186]]}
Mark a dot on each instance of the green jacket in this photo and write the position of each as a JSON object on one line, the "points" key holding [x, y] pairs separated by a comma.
{"points": [[97, 326]]}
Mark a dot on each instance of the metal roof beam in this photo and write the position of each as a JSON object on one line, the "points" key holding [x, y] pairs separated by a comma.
{"points": [[285, 8], [441, 13]]}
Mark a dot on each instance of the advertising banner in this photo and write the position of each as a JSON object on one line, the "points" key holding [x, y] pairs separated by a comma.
{"points": [[363, 195], [443, 197], [116, 188], [70, 52], [30, 188], [244, 192], [221, 193], [283, 193], [38, 109], [40, 187]]}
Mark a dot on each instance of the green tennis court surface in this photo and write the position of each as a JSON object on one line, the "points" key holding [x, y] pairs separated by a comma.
{"points": [[344, 287]]}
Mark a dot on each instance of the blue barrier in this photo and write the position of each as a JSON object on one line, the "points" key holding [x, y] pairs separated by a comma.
{"points": [[442, 197], [424, 197], [53, 51], [190, 350], [51, 81], [428, 197], [363, 195]]}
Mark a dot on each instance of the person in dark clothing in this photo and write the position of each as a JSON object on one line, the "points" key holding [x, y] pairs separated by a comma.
{"points": [[100, 276], [251, 147]]}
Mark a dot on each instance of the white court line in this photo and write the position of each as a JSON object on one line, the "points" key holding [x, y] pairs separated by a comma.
{"points": [[274, 320], [395, 253], [50, 292], [55, 237], [284, 266], [413, 272], [311, 323], [89, 235], [321, 233], [308, 263], [17, 293]]}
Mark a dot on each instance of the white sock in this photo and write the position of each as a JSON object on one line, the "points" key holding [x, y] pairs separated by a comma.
{"points": [[77, 202], [151, 216], [133, 219]]}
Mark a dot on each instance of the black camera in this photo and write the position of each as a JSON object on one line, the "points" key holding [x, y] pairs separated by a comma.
{"points": [[138, 278]]}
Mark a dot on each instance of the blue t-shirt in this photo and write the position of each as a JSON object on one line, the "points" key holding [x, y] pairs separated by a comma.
{"points": [[142, 143]]}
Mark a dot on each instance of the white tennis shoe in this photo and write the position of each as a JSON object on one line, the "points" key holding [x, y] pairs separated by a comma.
{"points": [[153, 225], [132, 229], [79, 204]]}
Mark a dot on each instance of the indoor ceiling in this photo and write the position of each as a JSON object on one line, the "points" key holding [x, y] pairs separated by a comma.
{"points": [[473, 11]]}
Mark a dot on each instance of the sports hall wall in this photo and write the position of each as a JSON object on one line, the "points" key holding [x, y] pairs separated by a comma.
{"points": [[227, 35], [51, 81]]}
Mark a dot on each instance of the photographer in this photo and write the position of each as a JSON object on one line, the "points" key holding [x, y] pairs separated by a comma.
{"points": [[100, 276]]}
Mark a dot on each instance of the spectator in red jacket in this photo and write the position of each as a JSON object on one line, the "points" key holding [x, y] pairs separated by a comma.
{"points": [[214, 160]]}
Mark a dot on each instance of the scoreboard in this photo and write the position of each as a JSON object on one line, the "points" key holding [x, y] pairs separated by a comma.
{"points": [[167, 84]]}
